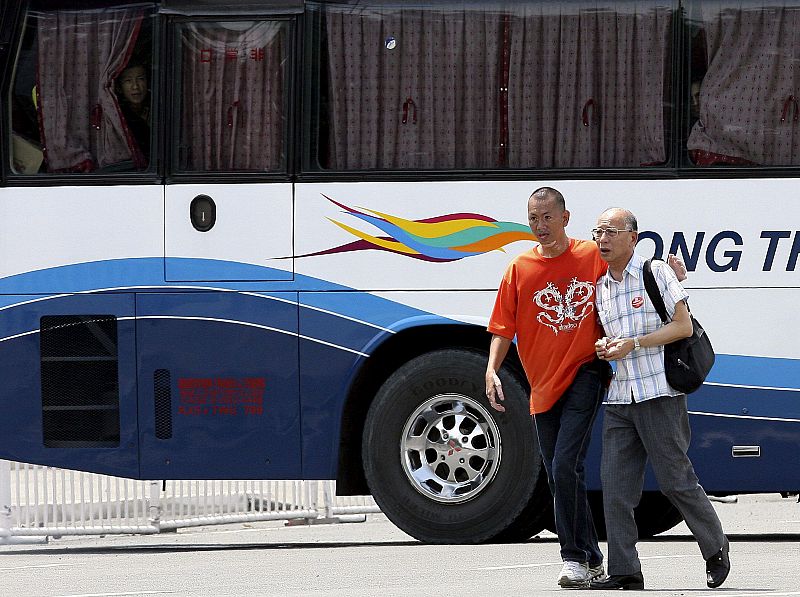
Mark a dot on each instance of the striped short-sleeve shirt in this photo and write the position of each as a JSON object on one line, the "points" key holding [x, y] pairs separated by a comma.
{"points": [[625, 311]]}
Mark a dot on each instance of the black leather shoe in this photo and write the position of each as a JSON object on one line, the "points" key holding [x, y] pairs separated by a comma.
{"points": [[717, 567], [619, 581]]}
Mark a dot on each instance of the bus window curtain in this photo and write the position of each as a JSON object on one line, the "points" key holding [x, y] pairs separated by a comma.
{"points": [[586, 84], [79, 55], [233, 96], [413, 89], [748, 97]]}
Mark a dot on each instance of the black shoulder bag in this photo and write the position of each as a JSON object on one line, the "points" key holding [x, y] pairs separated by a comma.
{"points": [[687, 361]]}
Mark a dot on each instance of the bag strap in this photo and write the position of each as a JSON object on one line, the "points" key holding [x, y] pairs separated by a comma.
{"points": [[653, 292]]}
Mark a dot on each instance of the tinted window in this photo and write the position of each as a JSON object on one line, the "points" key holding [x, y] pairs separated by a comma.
{"points": [[545, 85], [80, 98], [232, 98], [745, 83]]}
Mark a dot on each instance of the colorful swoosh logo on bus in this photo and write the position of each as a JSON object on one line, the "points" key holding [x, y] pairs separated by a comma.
{"points": [[441, 238]]}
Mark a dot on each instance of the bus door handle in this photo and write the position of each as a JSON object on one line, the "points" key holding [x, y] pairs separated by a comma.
{"points": [[203, 213]]}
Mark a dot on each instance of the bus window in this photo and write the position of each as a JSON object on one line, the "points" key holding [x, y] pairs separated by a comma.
{"points": [[232, 98], [746, 83], [68, 113], [411, 88], [587, 84], [485, 86]]}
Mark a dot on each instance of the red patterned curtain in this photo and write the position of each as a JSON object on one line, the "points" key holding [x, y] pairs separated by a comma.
{"points": [[586, 84], [80, 54], [413, 88], [749, 96], [233, 96], [546, 85]]}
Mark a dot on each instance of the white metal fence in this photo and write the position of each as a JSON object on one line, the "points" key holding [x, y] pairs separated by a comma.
{"points": [[37, 502]]}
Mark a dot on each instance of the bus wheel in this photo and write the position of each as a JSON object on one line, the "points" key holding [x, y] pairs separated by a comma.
{"points": [[440, 462], [654, 514], [537, 515]]}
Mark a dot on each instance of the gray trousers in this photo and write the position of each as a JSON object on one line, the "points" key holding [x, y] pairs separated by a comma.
{"points": [[657, 429]]}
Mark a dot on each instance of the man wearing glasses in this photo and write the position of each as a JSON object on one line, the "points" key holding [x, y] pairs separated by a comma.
{"points": [[645, 418], [546, 300]]}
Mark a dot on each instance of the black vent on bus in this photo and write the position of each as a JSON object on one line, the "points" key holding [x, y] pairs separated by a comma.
{"points": [[163, 403], [80, 381]]}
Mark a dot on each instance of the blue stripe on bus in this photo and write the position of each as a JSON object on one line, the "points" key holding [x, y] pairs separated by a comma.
{"points": [[748, 402], [148, 273], [361, 305], [756, 371], [231, 308]]}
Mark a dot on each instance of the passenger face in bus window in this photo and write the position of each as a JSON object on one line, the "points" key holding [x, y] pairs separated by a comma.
{"points": [[695, 101], [133, 85], [134, 101]]}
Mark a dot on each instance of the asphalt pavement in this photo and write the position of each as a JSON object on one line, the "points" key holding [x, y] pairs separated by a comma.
{"points": [[375, 558]]}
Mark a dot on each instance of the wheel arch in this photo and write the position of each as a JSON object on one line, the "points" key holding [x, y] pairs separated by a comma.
{"points": [[391, 354]]}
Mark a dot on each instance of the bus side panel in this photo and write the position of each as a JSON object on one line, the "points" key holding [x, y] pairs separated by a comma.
{"points": [[80, 350], [739, 442], [773, 467], [340, 326], [338, 331], [324, 395], [218, 385]]}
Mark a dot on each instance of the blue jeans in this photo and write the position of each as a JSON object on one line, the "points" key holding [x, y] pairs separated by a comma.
{"points": [[564, 432]]}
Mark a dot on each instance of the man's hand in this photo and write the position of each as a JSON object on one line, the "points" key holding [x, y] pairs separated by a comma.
{"points": [[498, 349], [678, 266], [618, 348], [601, 347], [494, 391]]}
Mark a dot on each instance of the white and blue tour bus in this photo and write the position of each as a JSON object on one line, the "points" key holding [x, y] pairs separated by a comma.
{"points": [[261, 240]]}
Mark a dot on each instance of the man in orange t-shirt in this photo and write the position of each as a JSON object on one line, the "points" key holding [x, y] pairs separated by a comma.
{"points": [[546, 300]]}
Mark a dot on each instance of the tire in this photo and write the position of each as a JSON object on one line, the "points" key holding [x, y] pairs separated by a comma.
{"points": [[413, 461], [654, 514], [534, 518]]}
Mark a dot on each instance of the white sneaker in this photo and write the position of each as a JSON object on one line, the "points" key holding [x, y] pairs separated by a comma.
{"points": [[597, 572], [574, 574]]}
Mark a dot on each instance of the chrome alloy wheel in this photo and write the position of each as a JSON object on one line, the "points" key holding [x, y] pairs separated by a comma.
{"points": [[450, 448]]}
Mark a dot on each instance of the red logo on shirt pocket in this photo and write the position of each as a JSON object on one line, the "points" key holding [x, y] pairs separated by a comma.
{"points": [[637, 302]]}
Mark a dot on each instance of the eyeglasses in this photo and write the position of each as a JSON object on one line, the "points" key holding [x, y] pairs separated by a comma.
{"points": [[610, 232]]}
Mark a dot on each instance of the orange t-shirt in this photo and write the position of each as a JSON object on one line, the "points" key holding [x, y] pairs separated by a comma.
{"points": [[548, 303]]}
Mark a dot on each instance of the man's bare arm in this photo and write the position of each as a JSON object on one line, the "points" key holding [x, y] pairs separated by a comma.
{"points": [[498, 349]]}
